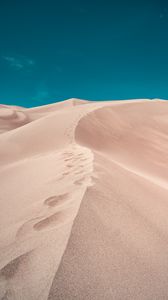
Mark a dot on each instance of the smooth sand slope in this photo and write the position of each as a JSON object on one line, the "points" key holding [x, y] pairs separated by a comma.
{"points": [[84, 201]]}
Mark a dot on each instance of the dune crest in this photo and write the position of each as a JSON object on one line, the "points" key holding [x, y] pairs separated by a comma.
{"points": [[83, 200]]}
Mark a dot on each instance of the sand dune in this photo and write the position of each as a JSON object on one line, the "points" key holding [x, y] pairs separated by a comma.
{"points": [[84, 200]]}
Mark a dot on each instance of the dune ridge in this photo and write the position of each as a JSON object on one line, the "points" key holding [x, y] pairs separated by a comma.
{"points": [[81, 179]]}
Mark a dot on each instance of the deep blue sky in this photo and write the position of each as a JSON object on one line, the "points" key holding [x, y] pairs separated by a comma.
{"points": [[54, 50]]}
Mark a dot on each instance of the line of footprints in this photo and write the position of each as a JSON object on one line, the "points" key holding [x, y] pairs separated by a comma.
{"points": [[78, 168]]}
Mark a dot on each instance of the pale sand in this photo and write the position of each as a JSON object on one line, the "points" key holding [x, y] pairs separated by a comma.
{"points": [[101, 167]]}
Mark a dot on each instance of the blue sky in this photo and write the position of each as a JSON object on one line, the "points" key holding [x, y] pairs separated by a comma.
{"points": [[97, 50]]}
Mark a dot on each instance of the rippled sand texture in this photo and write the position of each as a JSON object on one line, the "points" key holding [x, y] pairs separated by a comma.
{"points": [[84, 201]]}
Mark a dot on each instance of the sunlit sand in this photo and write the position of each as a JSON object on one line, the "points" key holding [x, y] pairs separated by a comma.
{"points": [[84, 201]]}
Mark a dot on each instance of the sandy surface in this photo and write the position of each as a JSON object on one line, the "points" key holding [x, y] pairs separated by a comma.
{"points": [[84, 201]]}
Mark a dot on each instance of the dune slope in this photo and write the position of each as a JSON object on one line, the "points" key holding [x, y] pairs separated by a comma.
{"points": [[83, 204]]}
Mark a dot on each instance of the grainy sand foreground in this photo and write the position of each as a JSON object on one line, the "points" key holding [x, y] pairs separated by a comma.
{"points": [[84, 201]]}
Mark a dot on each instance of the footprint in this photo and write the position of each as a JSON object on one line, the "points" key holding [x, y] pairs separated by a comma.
{"points": [[87, 180], [11, 268], [56, 200], [25, 228], [51, 221], [69, 166], [65, 173], [68, 159], [80, 181], [69, 153], [75, 159], [79, 172]]}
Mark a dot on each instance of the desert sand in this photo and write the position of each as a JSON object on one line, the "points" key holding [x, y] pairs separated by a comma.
{"points": [[84, 201]]}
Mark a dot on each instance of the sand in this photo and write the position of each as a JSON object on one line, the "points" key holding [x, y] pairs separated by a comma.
{"points": [[84, 201]]}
